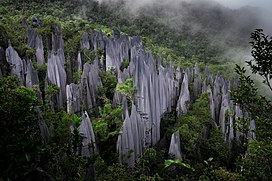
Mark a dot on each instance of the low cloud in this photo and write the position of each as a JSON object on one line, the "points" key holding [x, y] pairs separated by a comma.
{"points": [[262, 8]]}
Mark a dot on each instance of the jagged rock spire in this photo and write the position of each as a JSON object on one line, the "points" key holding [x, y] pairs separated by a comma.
{"points": [[174, 149], [15, 62], [184, 97], [88, 138]]}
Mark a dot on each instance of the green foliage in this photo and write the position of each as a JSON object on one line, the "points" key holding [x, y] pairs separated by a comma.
{"points": [[224, 175], [101, 53], [156, 177], [52, 89], [60, 123], [48, 23], [109, 118], [168, 123], [77, 76], [41, 70], [76, 120], [21, 145], [107, 31], [257, 161], [20, 138], [259, 108], [60, 152], [109, 82], [193, 123], [201, 140], [127, 88], [262, 55], [12, 30], [107, 127], [118, 172], [124, 64], [177, 163], [215, 147], [151, 163], [148, 157], [89, 55]]}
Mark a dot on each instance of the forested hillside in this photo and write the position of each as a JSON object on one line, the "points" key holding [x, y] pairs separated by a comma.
{"points": [[103, 91]]}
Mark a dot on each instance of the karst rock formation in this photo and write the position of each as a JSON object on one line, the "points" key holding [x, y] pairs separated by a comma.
{"points": [[161, 88]]}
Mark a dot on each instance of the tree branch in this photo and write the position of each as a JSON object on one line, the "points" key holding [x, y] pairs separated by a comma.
{"points": [[268, 83]]}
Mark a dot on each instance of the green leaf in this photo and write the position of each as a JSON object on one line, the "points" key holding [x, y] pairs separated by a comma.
{"points": [[170, 163]]}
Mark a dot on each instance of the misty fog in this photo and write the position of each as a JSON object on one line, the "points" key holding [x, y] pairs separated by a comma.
{"points": [[260, 8]]}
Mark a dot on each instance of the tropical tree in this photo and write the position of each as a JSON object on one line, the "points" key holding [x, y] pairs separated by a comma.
{"points": [[256, 162], [262, 56], [20, 138]]}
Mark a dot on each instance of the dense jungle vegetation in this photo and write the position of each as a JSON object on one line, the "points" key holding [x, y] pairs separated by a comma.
{"points": [[25, 154]]}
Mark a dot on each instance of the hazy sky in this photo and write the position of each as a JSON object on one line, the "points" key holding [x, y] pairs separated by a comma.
{"points": [[267, 4], [239, 3]]}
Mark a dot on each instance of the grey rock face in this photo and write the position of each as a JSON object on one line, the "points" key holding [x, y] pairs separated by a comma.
{"points": [[184, 97], [130, 140], [157, 91], [174, 149], [204, 86], [112, 54], [146, 80], [39, 50], [225, 106], [90, 81], [117, 98], [73, 98], [224, 113], [178, 74], [15, 62], [217, 96], [125, 143], [84, 42], [98, 40], [31, 37], [57, 42], [197, 82], [116, 51], [211, 102], [208, 79], [136, 41], [23, 23], [32, 79], [79, 62], [88, 138], [56, 75], [230, 130]]}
